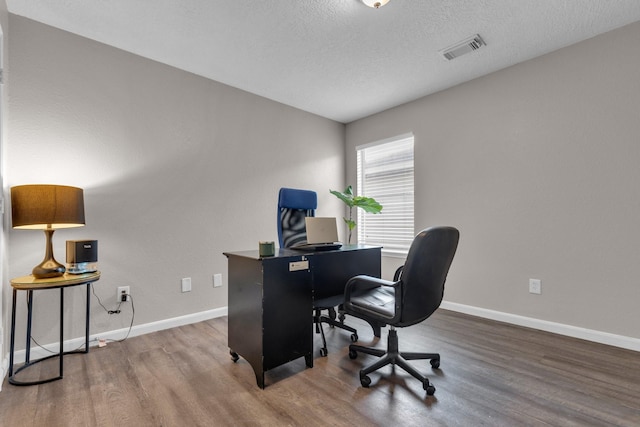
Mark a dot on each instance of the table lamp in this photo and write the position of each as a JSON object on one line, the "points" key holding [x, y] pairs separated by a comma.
{"points": [[47, 207]]}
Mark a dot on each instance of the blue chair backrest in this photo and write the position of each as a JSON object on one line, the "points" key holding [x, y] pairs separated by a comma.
{"points": [[293, 206]]}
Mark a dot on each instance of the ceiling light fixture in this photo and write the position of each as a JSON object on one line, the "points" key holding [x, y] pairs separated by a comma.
{"points": [[375, 3]]}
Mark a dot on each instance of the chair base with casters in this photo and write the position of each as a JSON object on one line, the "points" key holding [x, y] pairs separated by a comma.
{"points": [[394, 357], [329, 304]]}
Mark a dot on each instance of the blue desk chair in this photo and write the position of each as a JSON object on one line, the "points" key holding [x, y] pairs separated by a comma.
{"points": [[293, 206]]}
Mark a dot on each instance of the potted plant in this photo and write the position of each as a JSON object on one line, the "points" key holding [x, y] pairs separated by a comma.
{"points": [[368, 204]]}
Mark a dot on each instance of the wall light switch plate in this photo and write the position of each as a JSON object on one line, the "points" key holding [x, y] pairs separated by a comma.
{"points": [[217, 280], [186, 284], [535, 286]]}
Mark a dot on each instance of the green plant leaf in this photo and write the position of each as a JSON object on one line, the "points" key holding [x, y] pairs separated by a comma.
{"points": [[367, 204], [351, 224], [346, 197]]}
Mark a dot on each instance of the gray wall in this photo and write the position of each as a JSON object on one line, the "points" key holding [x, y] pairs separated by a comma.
{"points": [[176, 169], [535, 164], [538, 166]]}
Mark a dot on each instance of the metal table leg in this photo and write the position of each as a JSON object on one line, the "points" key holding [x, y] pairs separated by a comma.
{"points": [[28, 361], [29, 284], [86, 326], [27, 348], [13, 334], [61, 329]]}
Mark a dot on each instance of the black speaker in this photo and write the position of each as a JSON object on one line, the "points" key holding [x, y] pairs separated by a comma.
{"points": [[82, 256]]}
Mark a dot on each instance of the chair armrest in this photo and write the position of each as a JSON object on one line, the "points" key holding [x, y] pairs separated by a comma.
{"points": [[363, 283]]}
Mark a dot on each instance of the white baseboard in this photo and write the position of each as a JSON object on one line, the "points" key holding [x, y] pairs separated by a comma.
{"points": [[118, 334], [621, 341], [4, 369]]}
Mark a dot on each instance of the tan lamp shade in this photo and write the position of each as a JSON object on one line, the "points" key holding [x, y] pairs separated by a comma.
{"points": [[47, 207]]}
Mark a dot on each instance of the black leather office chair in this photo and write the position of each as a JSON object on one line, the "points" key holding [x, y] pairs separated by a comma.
{"points": [[293, 206], [414, 294]]}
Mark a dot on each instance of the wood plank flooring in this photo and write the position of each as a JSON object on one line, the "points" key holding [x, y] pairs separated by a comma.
{"points": [[492, 374]]}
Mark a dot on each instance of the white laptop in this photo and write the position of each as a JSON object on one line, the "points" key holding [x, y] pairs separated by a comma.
{"points": [[322, 234]]}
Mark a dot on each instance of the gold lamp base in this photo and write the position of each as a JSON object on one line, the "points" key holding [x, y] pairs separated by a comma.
{"points": [[49, 267]]}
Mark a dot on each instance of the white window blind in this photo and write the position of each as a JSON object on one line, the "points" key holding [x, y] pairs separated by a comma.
{"points": [[385, 172]]}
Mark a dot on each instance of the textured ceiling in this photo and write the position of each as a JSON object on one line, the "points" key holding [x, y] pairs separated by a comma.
{"points": [[335, 58]]}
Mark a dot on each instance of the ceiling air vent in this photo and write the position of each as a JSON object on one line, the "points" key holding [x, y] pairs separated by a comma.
{"points": [[465, 46]]}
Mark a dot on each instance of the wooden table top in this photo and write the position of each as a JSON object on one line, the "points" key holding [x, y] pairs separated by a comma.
{"points": [[30, 282]]}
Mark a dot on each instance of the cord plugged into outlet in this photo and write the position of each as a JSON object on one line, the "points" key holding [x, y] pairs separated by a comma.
{"points": [[123, 294]]}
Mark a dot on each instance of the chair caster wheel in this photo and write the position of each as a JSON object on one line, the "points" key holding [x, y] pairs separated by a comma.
{"points": [[323, 352], [366, 381], [430, 389], [353, 354], [435, 363], [354, 337], [234, 355]]}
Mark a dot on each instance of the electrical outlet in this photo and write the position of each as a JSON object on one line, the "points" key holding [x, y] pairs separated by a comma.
{"points": [[535, 286], [186, 284], [123, 294], [217, 280]]}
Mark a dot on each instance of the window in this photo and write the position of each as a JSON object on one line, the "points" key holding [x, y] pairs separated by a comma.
{"points": [[385, 172]]}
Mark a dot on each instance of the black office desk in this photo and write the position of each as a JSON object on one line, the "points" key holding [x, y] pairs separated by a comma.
{"points": [[271, 300]]}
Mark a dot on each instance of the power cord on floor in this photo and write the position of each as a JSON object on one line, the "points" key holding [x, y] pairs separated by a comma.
{"points": [[40, 345]]}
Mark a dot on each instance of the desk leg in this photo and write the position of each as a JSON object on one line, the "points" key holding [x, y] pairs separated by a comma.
{"points": [[260, 378], [308, 359], [13, 333], [27, 348]]}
